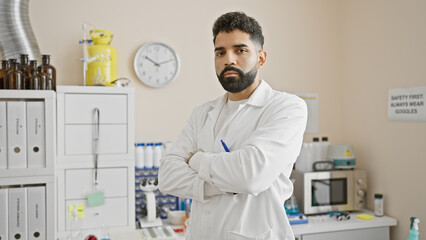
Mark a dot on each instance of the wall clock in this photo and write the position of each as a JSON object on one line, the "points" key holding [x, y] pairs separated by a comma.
{"points": [[156, 64]]}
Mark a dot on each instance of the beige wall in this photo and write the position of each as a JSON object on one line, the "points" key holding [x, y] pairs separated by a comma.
{"points": [[350, 52], [384, 47]]}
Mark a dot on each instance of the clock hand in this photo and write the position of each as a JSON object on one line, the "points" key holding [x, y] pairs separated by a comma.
{"points": [[166, 61], [149, 59]]}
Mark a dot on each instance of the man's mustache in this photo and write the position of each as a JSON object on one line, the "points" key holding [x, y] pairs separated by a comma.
{"points": [[226, 69]]}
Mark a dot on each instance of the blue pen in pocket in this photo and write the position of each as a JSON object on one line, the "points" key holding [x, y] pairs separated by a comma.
{"points": [[224, 146]]}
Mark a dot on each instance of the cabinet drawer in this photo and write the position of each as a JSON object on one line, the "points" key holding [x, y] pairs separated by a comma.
{"points": [[79, 139], [112, 214], [79, 108], [111, 181]]}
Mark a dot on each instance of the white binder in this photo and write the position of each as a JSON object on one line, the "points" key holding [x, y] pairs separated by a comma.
{"points": [[35, 135], [18, 213], [4, 214], [3, 135], [16, 134], [36, 213]]}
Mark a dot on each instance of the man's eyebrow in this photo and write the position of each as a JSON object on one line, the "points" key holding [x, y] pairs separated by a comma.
{"points": [[240, 45], [235, 46]]}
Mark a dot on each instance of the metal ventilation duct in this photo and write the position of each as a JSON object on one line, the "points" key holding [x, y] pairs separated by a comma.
{"points": [[16, 34]]}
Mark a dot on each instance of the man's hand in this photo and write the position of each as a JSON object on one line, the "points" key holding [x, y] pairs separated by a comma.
{"points": [[189, 158]]}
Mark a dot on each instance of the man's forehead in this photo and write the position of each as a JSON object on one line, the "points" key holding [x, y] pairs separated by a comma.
{"points": [[235, 38]]}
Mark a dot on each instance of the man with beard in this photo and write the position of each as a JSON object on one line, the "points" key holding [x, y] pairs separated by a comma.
{"points": [[235, 154]]}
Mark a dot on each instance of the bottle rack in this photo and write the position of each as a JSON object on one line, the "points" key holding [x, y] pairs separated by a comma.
{"points": [[28, 177]]}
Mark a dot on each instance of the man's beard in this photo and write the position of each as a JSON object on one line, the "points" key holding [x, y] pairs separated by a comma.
{"points": [[237, 84]]}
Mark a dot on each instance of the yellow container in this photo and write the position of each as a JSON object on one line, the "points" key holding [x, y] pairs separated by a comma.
{"points": [[102, 62]]}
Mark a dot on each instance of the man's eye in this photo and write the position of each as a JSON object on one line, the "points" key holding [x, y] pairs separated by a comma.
{"points": [[242, 50], [219, 54]]}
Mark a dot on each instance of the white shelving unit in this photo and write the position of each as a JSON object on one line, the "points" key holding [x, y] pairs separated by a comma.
{"points": [[76, 120], [37, 176]]}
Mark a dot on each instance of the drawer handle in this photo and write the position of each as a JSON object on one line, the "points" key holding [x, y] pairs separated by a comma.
{"points": [[96, 117]]}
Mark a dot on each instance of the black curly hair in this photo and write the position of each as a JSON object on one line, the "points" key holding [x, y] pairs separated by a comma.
{"points": [[239, 20]]}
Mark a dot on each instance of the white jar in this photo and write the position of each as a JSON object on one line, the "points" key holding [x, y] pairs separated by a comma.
{"points": [[139, 155], [149, 155]]}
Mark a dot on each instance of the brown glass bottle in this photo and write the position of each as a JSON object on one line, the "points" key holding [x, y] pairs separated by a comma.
{"points": [[50, 71], [15, 78], [3, 74], [32, 78], [24, 67]]}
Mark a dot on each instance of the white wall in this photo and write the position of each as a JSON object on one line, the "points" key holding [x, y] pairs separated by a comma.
{"points": [[350, 52]]}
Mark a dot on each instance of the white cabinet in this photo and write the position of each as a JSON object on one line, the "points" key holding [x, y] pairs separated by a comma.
{"points": [[82, 114], [32, 178]]}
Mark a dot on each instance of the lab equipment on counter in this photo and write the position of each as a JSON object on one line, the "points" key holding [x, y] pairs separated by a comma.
{"points": [[101, 59], [158, 153], [49, 70], [149, 155], [365, 216], [298, 218], [21, 76], [160, 233], [414, 229], [378, 205], [3, 71], [139, 155], [342, 156], [176, 217], [151, 220], [311, 153], [330, 191], [290, 205]]}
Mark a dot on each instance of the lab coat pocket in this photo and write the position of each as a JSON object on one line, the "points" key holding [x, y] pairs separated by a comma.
{"points": [[263, 236]]}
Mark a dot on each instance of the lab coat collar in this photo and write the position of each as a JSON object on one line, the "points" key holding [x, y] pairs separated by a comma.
{"points": [[258, 98]]}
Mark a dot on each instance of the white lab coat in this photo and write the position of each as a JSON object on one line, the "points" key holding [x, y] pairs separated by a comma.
{"points": [[264, 137]]}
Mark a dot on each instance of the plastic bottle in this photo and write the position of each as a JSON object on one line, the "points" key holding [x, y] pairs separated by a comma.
{"points": [[378, 205], [316, 150], [3, 72], [414, 229], [149, 155], [158, 151], [324, 146], [139, 155], [48, 69]]}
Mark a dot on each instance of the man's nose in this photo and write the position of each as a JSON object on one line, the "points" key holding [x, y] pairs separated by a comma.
{"points": [[230, 59]]}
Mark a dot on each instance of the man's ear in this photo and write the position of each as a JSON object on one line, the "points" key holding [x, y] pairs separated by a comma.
{"points": [[262, 58]]}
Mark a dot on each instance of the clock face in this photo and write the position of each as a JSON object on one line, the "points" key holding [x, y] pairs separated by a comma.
{"points": [[156, 64]]}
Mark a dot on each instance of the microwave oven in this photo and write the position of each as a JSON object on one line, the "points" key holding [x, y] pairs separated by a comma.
{"points": [[330, 191]]}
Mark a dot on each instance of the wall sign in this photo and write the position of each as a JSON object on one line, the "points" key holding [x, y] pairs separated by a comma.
{"points": [[407, 104], [312, 102]]}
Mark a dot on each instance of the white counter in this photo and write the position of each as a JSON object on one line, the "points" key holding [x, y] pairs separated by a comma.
{"points": [[322, 225], [318, 227]]}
